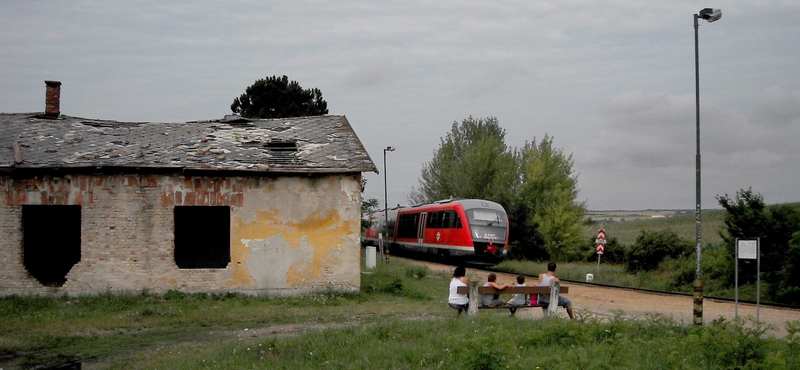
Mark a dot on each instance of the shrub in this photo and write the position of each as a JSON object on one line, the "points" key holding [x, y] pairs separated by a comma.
{"points": [[417, 272], [174, 295], [614, 252], [653, 247]]}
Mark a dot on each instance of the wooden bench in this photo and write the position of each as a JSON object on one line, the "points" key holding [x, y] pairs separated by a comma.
{"points": [[476, 291]]}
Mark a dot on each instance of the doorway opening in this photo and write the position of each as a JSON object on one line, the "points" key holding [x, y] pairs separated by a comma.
{"points": [[51, 241]]}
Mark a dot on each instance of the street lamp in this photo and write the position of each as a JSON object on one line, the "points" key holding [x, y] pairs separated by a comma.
{"points": [[710, 15], [385, 201]]}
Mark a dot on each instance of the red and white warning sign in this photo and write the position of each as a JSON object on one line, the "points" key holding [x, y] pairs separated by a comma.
{"points": [[601, 241]]}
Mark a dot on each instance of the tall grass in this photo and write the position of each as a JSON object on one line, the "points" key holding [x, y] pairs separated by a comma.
{"points": [[498, 342], [400, 320]]}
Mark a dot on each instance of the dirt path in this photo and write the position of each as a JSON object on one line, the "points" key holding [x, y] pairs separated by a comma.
{"points": [[605, 302]]}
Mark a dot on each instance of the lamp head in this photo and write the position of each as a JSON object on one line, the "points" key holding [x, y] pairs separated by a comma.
{"points": [[389, 149], [710, 14]]}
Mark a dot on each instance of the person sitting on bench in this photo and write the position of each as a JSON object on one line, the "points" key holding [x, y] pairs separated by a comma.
{"points": [[491, 300], [458, 301], [518, 299], [547, 279]]}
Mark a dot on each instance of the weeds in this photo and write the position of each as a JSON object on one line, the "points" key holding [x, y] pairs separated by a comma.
{"points": [[400, 322]]}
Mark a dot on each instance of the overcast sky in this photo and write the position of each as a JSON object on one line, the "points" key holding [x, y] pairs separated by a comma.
{"points": [[611, 81]]}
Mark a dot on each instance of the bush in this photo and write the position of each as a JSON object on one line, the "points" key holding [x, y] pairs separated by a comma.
{"points": [[417, 272], [614, 252], [653, 247], [174, 295]]}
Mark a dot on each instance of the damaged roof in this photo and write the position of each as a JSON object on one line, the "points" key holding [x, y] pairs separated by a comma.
{"points": [[315, 144]]}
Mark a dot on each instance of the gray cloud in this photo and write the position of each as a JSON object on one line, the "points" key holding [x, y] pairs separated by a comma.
{"points": [[611, 82]]}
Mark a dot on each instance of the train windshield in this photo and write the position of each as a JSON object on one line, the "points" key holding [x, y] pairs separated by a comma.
{"points": [[486, 217]]}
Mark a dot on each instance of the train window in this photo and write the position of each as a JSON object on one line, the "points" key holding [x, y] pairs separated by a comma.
{"points": [[390, 228], [434, 220], [491, 217], [407, 225], [450, 221], [442, 220]]}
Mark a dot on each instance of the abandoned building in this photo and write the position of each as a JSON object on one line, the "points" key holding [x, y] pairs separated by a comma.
{"points": [[258, 206]]}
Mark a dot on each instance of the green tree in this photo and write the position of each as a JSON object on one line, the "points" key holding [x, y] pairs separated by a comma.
{"points": [[788, 291], [367, 205], [777, 227], [548, 192], [535, 184], [472, 162], [276, 97]]}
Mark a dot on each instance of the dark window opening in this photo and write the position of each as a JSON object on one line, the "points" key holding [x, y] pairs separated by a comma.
{"points": [[434, 220], [202, 237], [51, 242], [281, 145], [282, 152], [407, 225], [443, 220]]}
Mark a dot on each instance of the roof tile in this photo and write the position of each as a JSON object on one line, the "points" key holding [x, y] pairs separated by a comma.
{"points": [[316, 144]]}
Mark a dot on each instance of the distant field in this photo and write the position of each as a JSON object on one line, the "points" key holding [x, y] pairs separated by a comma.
{"points": [[627, 225], [623, 216]]}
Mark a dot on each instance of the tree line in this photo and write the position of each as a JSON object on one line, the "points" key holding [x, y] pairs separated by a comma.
{"points": [[535, 184], [665, 253]]}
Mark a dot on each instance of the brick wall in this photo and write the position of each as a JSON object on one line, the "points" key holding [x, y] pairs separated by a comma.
{"points": [[288, 234]]}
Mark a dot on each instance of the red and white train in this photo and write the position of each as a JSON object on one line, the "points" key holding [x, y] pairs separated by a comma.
{"points": [[468, 228]]}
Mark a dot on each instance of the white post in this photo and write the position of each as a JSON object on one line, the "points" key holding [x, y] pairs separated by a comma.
{"points": [[370, 257], [552, 308]]}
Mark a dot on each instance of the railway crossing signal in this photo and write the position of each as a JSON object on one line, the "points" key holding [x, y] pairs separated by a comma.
{"points": [[601, 246], [601, 241]]}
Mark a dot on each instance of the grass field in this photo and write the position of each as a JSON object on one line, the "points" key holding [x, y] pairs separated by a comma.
{"points": [[627, 225], [400, 320]]}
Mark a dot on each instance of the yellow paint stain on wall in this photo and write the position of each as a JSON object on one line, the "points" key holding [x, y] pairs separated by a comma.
{"points": [[239, 252], [322, 232]]}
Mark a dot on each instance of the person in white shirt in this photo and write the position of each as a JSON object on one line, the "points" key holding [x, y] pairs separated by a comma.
{"points": [[457, 301], [547, 279], [518, 299]]}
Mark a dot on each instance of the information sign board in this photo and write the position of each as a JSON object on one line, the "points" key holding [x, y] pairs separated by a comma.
{"points": [[748, 249]]}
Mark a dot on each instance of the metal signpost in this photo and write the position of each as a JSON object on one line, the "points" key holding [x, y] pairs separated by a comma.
{"points": [[601, 247], [380, 246], [748, 249]]}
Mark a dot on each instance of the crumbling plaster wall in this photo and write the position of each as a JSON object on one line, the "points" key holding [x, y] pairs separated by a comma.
{"points": [[289, 234]]}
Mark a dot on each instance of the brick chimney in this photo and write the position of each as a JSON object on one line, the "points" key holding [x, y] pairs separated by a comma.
{"points": [[52, 106]]}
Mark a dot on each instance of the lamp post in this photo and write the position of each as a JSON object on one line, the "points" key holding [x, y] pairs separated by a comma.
{"points": [[385, 201], [710, 15]]}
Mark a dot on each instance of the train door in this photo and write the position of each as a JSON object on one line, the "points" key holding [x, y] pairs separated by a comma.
{"points": [[421, 229]]}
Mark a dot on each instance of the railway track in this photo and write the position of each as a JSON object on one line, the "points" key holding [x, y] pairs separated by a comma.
{"points": [[604, 300]]}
